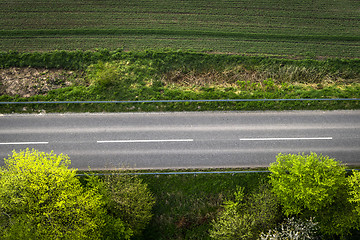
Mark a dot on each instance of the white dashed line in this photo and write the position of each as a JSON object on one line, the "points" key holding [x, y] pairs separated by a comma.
{"points": [[285, 139], [23, 143], [146, 141]]}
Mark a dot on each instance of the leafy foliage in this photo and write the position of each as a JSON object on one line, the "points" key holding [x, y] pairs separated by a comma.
{"points": [[314, 186], [264, 207], [104, 74], [40, 198], [306, 181], [129, 200], [231, 223], [245, 218], [354, 182], [119, 73]]}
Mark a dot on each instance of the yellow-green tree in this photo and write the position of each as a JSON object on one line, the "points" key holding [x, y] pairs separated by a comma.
{"points": [[315, 186], [41, 198], [354, 182]]}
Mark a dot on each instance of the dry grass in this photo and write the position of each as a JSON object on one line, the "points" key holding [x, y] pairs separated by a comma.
{"points": [[226, 78], [251, 79]]}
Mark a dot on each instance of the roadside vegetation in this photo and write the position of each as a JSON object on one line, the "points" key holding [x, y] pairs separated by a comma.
{"points": [[301, 197], [173, 75], [42, 198]]}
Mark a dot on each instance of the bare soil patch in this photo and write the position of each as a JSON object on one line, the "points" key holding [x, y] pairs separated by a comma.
{"points": [[26, 82]]}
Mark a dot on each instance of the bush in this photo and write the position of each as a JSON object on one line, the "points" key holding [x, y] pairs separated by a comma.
{"points": [[231, 223], [264, 207], [128, 199], [294, 229], [245, 218], [314, 185], [104, 74], [41, 198], [120, 72]]}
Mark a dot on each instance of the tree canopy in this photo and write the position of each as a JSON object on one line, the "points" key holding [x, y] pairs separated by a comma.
{"points": [[41, 198]]}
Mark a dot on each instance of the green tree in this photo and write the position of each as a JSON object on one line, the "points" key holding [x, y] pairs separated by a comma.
{"points": [[231, 223], [354, 182], [314, 186], [306, 181], [264, 207], [41, 198], [114, 228], [128, 200], [246, 217]]}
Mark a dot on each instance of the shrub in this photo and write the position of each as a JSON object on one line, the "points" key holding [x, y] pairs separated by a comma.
{"points": [[231, 223], [119, 72], [128, 199], [114, 228], [264, 207], [245, 218], [104, 74], [41, 198], [294, 229]]}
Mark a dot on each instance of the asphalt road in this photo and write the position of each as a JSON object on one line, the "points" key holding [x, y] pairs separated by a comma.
{"points": [[183, 139]]}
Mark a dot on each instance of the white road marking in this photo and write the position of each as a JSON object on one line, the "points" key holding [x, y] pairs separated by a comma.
{"points": [[146, 141], [282, 139], [23, 143]]}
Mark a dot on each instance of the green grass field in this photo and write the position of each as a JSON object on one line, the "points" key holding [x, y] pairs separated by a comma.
{"points": [[323, 28]]}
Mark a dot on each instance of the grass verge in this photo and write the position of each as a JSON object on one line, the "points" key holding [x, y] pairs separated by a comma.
{"points": [[177, 75]]}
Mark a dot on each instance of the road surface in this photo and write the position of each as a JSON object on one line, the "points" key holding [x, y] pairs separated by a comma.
{"points": [[183, 139]]}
